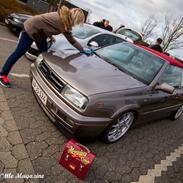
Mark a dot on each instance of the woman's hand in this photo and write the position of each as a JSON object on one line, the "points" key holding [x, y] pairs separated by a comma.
{"points": [[88, 51]]}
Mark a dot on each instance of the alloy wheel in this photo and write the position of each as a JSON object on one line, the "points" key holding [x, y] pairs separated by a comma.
{"points": [[120, 126], [179, 112]]}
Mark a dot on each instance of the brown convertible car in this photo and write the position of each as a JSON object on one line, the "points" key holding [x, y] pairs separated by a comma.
{"points": [[104, 94]]}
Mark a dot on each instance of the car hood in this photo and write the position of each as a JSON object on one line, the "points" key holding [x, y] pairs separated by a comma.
{"points": [[62, 46], [90, 75]]}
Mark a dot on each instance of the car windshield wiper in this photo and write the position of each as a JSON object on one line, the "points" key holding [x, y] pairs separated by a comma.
{"points": [[97, 54]]}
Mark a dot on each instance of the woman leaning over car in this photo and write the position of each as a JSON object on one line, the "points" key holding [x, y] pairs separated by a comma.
{"points": [[41, 27]]}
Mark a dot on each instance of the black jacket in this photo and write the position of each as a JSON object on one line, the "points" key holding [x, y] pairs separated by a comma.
{"points": [[101, 25], [156, 47]]}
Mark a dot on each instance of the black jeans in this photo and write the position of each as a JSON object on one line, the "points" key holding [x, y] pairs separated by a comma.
{"points": [[24, 43]]}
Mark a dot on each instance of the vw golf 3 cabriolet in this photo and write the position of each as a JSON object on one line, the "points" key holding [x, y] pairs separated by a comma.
{"points": [[104, 94]]}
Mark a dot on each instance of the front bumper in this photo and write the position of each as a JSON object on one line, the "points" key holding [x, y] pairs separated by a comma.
{"points": [[32, 54], [59, 112], [14, 26]]}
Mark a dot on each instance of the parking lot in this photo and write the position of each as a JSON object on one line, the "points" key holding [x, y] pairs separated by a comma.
{"points": [[138, 157]]}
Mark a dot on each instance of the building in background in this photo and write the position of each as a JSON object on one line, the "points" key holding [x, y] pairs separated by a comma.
{"points": [[43, 6], [70, 4], [24, 1]]}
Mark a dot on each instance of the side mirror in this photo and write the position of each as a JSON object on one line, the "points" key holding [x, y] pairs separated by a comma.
{"points": [[166, 88], [93, 44]]}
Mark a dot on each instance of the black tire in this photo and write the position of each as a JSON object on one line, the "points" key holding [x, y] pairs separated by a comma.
{"points": [[176, 115], [120, 122]]}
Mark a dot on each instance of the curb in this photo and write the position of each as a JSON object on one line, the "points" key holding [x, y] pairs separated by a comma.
{"points": [[13, 153]]}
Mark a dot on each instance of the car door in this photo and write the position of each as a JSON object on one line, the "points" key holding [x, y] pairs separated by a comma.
{"points": [[151, 101], [158, 103], [174, 77], [105, 40]]}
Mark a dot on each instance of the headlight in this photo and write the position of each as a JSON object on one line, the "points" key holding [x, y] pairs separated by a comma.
{"points": [[74, 96], [16, 20], [39, 59]]}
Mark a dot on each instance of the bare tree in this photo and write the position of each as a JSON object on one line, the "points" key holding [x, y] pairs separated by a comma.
{"points": [[172, 34], [148, 27]]}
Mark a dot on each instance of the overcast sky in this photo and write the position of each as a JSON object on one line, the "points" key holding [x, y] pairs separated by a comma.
{"points": [[132, 13]]}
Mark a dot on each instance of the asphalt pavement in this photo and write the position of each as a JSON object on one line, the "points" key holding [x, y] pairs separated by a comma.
{"points": [[149, 153]]}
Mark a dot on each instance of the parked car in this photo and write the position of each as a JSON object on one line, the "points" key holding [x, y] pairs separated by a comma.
{"points": [[87, 35], [15, 21], [130, 35], [104, 94]]}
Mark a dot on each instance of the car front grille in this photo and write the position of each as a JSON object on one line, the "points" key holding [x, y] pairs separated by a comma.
{"points": [[51, 76], [33, 51]]}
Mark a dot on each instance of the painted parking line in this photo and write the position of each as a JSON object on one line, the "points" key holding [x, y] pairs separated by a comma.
{"points": [[158, 168], [15, 74], [20, 75], [10, 40]]}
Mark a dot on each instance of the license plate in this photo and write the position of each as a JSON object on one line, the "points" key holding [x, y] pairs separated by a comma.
{"points": [[6, 21], [42, 96]]}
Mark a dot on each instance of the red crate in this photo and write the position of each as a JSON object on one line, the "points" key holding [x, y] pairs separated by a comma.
{"points": [[77, 159]]}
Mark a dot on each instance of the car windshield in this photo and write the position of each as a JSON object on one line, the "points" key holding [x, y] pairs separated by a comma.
{"points": [[134, 61], [130, 34], [84, 31]]}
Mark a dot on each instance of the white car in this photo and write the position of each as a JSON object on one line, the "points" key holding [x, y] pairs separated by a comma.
{"points": [[87, 35]]}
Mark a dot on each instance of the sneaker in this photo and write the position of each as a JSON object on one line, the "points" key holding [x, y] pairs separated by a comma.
{"points": [[4, 81]]}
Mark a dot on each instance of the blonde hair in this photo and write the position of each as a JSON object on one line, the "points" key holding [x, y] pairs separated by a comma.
{"points": [[78, 16], [71, 17]]}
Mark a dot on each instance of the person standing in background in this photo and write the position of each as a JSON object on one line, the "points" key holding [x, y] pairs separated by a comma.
{"points": [[157, 45], [104, 24]]}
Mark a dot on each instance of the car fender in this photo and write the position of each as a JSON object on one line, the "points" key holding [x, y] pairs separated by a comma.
{"points": [[130, 107]]}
